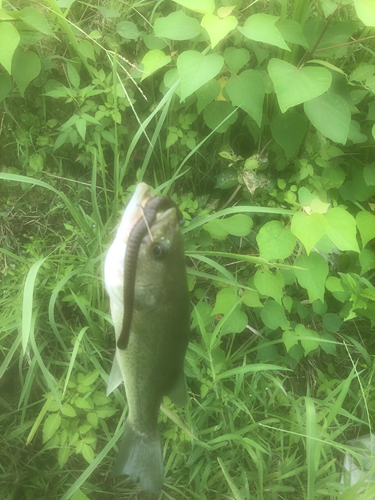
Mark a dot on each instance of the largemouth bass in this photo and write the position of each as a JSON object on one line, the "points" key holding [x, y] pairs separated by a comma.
{"points": [[145, 275]]}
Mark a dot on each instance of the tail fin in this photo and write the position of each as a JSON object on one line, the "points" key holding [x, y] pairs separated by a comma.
{"points": [[140, 456]]}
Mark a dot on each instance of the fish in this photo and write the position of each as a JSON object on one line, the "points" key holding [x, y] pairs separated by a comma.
{"points": [[145, 277]]}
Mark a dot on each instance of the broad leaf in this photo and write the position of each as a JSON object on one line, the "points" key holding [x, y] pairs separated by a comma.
{"points": [[177, 26], [5, 86], [289, 129], [225, 299], [217, 28], [50, 426], [309, 339], [367, 260], [9, 39], [313, 275], [330, 114], [236, 324], [342, 229], [238, 225], [26, 66], [196, 69], [261, 28], [292, 32], [202, 6], [128, 30], [294, 86], [218, 111], [37, 20], [309, 228], [275, 241], [365, 11], [207, 93], [235, 58], [247, 91], [273, 315], [366, 225], [152, 61], [269, 284]]}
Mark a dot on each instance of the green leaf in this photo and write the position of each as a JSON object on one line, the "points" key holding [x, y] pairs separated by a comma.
{"points": [[330, 114], [342, 229], [63, 455], [247, 91], [78, 495], [73, 75], [128, 30], [368, 173], [290, 339], [235, 58], [273, 316], [309, 339], [362, 72], [25, 67], [238, 225], [367, 260], [90, 378], [9, 39], [109, 12], [36, 162], [292, 32], [80, 124], [50, 426], [5, 86], [84, 404], [225, 299], [88, 453], [251, 298], [328, 347], [196, 69], [261, 28], [217, 28], [68, 410], [177, 26], [105, 412], [355, 134], [87, 49], [269, 284], [202, 6], [309, 228], [207, 93], [313, 275], [333, 177], [288, 130], [93, 419], [366, 226], [37, 20], [365, 11], [152, 61], [332, 322], [236, 324], [294, 86], [275, 241], [218, 111]]}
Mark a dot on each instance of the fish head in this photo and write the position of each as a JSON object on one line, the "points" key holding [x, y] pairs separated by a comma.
{"points": [[160, 263]]}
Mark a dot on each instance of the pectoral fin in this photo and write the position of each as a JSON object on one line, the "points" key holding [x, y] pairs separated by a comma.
{"points": [[115, 377], [178, 394]]}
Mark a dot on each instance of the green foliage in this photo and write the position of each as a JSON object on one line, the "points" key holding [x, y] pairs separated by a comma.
{"points": [[258, 119]]}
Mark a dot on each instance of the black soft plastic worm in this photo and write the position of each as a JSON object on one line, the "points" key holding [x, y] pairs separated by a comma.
{"points": [[152, 207]]}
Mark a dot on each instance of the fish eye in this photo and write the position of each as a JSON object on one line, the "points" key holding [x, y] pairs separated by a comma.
{"points": [[158, 250]]}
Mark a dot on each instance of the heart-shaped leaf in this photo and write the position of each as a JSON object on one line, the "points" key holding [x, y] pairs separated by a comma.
{"points": [[202, 6], [289, 129], [220, 113], [275, 241], [294, 86], [247, 92], [25, 67], [177, 26], [261, 28], [236, 59], [196, 69], [207, 93], [342, 229], [217, 28], [309, 228], [152, 61], [9, 39], [330, 114], [313, 274]]}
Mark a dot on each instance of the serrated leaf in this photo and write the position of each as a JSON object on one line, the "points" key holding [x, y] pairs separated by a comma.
{"points": [[51, 425], [84, 404], [261, 28], [90, 378], [105, 412], [217, 28], [196, 69], [269, 284], [88, 453], [342, 229], [313, 274], [9, 40], [93, 419], [309, 229], [68, 410], [177, 26], [294, 86], [63, 455]]}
